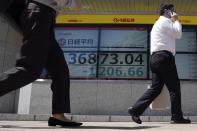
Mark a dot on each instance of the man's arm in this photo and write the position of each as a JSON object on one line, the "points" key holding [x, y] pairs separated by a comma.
{"points": [[173, 28], [176, 26]]}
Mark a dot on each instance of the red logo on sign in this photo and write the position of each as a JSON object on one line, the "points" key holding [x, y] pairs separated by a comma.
{"points": [[116, 20]]}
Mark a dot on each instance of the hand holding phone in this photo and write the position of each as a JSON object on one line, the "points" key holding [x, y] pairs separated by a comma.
{"points": [[174, 17]]}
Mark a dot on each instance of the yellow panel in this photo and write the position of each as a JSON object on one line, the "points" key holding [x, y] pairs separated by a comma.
{"points": [[118, 19]]}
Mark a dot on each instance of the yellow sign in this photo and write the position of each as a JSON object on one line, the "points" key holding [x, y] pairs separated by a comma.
{"points": [[118, 19]]}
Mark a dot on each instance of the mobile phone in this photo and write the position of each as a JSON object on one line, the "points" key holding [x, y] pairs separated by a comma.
{"points": [[170, 13]]}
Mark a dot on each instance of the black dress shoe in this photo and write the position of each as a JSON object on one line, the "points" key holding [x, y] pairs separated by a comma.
{"points": [[53, 122], [134, 117], [180, 121]]}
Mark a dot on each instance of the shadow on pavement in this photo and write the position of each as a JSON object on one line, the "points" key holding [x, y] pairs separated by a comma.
{"points": [[83, 127], [118, 128], [27, 127]]}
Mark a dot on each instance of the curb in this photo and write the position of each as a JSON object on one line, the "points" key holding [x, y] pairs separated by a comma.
{"points": [[87, 118]]}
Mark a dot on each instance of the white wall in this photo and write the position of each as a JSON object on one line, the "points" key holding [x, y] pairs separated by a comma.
{"points": [[10, 42], [107, 97]]}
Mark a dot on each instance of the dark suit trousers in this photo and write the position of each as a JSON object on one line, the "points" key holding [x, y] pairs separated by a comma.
{"points": [[162, 64], [39, 49]]}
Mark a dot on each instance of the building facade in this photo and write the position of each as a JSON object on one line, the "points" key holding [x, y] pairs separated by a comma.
{"points": [[107, 48]]}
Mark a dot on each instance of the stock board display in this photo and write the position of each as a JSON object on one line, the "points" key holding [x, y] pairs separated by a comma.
{"points": [[186, 57], [80, 50], [120, 52], [123, 53], [114, 53]]}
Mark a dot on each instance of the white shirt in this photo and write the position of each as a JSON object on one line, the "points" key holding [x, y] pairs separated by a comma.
{"points": [[164, 34], [56, 4]]}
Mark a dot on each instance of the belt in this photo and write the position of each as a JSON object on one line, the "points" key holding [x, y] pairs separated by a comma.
{"points": [[162, 51]]}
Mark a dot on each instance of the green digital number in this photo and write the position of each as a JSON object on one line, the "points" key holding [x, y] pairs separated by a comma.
{"points": [[92, 71], [132, 71], [139, 71], [119, 71]]}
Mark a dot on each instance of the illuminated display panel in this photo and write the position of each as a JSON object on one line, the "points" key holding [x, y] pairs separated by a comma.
{"points": [[123, 65], [105, 52], [123, 53], [187, 66], [188, 41], [186, 57], [123, 39], [114, 53], [80, 47]]}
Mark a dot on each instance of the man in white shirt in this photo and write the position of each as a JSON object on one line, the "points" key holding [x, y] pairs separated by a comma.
{"points": [[162, 63], [36, 19]]}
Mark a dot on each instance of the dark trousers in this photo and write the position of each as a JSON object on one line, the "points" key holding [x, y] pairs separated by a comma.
{"points": [[164, 71], [40, 49]]}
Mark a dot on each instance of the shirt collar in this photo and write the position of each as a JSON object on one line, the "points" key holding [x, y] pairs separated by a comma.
{"points": [[164, 18]]}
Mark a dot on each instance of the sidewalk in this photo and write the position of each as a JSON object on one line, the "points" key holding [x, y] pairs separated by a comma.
{"points": [[97, 126], [87, 118], [30, 122]]}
